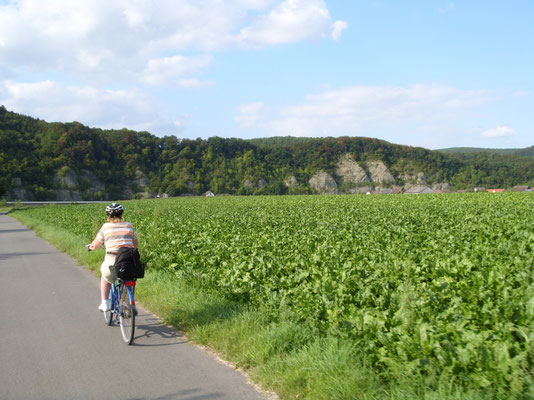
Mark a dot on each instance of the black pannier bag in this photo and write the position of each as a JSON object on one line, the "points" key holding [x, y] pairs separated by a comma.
{"points": [[128, 264]]}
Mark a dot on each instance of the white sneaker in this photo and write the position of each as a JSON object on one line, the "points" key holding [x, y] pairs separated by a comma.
{"points": [[104, 306]]}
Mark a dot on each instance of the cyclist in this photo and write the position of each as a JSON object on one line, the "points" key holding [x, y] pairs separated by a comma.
{"points": [[115, 233]]}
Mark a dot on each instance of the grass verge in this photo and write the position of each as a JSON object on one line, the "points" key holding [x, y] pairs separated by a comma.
{"points": [[283, 356]]}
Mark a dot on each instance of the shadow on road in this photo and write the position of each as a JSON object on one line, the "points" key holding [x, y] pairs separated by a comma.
{"points": [[152, 327], [6, 256], [14, 230], [188, 394]]}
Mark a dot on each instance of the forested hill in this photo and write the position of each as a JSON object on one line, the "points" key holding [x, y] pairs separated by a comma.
{"points": [[526, 152], [70, 161]]}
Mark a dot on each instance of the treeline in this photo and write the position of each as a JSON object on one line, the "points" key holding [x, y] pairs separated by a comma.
{"points": [[38, 158], [526, 152]]}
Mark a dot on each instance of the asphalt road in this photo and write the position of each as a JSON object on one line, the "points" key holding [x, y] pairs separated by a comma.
{"points": [[54, 343]]}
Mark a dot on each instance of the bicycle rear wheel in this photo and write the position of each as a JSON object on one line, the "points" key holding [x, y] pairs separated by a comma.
{"points": [[127, 316]]}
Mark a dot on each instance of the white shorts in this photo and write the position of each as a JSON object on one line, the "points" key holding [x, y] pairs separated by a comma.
{"points": [[104, 268]]}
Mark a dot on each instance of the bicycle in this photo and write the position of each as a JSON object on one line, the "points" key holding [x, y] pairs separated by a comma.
{"points": [[122, 305]]}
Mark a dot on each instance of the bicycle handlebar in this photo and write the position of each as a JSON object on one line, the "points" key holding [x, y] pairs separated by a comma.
{"points": [[89, 249]]}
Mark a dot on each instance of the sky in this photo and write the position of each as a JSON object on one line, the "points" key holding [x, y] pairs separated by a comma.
{"points": [[426, 73]]}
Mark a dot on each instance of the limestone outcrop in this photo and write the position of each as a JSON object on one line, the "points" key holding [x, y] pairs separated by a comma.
{"points": [[443, 187], [323, 183], [66, 178], [414, 179], [350, 171], [379, 172], [260, 184], [291, 182]]}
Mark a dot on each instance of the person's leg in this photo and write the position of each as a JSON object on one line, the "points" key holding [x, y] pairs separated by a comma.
{"points": [[104, 289], [105, 282]]}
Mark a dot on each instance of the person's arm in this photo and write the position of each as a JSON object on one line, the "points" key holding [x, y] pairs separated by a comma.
{"points": [[99, 240], [134, 238]]}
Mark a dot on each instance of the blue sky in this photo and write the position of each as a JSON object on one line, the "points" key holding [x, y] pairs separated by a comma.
{"points": [[423, 73]]}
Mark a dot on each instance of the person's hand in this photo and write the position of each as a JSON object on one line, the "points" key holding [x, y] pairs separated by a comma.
{"points": [[88, 247]]}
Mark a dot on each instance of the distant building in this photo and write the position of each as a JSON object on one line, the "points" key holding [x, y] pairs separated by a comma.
{"points": [[496, 190], [419, 190], [522, 189], [480, 189]]}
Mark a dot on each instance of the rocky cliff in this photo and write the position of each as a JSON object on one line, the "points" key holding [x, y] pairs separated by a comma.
{"points": [[291, 182], [323, 183], [70, 185], [379, 172], [350, 171], [352, 178]]}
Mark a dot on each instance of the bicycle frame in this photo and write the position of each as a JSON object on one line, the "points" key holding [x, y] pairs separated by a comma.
{"points": [[116, 289]]}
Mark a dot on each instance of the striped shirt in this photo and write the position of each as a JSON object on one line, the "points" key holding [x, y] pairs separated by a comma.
{"points": [[114, 235]]}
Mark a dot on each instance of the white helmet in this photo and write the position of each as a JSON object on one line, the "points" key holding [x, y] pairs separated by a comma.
{"points": [[114, 210]]}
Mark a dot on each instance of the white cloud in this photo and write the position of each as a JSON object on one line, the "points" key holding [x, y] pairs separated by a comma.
{"points": [[498, 132], [95, 44], [366, 110], [338, 27], [164, 70], [447, 7], [115, 39], [291, 21], [194, 83], [115, 109], [249, 114], [251, 108]]}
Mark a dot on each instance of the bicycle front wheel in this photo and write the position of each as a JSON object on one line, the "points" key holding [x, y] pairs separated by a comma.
{"points": [[126, 316], [108, 315]]}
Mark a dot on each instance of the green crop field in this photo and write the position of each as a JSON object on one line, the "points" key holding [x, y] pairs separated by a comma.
{"points": [[435, 285]]}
